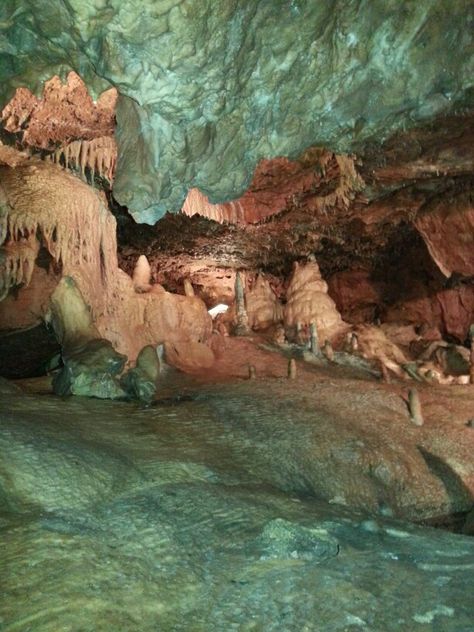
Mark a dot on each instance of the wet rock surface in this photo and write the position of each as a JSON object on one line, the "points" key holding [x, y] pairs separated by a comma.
{"points": [[203, 514]]}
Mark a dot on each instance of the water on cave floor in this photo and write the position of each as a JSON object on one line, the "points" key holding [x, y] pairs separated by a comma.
{"points": [[199, 514]]}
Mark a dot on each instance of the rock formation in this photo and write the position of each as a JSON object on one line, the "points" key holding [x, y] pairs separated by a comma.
{"points": [[308, 302], [205, 99], [263, 307], [65, 113], [443, 223], [44, 206], [279, 183]]}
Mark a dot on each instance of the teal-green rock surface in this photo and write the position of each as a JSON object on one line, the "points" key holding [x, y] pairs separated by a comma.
{"points": [[210, 87]]}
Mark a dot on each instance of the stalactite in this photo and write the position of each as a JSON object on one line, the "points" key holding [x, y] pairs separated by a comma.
{"points": [[17, 263], [337, 169], [98, 155], [82, 238], [43, 205]]}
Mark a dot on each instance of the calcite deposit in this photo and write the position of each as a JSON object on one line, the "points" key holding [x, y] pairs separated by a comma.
{"points": [[263, 307], [43, 205], [277, 184], [308, 302], [64, 113]]}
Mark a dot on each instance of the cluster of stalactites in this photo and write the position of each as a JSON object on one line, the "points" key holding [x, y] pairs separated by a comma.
{"points": [[252, 207], [99, 156], [17, 260], [196, 203], [349, 182], [69, 220]]}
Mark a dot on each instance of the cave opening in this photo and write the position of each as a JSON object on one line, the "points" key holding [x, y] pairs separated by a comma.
{"points": [[237, 316]]}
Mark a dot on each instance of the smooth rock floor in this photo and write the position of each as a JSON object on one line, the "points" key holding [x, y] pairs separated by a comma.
{"points": [[238, 505]]}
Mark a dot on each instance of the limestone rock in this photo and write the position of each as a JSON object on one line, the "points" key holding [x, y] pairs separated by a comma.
{"points": [[174, 318], [28, 305], [8, 388], [357, 297], [64, 113], [95, 299], [204, 97], [263, 307], [284, 540], [375, 345], [189, 356], [90, 370], [444, 223], [141, 381], [278, 183], [468, 528], [308, 301], [56, 474]]}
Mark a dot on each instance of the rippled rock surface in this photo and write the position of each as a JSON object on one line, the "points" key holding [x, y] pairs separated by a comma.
{"points": [[115, 517]]}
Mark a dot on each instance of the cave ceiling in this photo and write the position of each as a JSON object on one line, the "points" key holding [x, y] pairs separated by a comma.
{"points": [[207, 89]]}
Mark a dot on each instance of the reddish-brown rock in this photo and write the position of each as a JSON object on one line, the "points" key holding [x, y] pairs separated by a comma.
{"points": [[447, 226], [357, 296], [65, 112], [279, 184], [189, 356]]}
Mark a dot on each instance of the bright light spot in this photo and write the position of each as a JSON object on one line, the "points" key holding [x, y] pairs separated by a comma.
{"points": [[218, 309]]}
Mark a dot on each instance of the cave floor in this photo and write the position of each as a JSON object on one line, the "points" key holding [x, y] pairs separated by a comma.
{"points": [[236, 504]]}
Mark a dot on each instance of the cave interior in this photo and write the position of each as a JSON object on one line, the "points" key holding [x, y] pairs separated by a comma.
{"points": [[237, 315]]}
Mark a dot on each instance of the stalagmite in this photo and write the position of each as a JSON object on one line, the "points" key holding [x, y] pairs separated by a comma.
{"points": [[354, 344], [188, 288], [263, 307], [278, 336], [471, 357], [292, 369], [242, 324], [300, 337], [328, 351], [308, 301], [314, 339], [414, 406], [384, 372], [142, 275]]}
